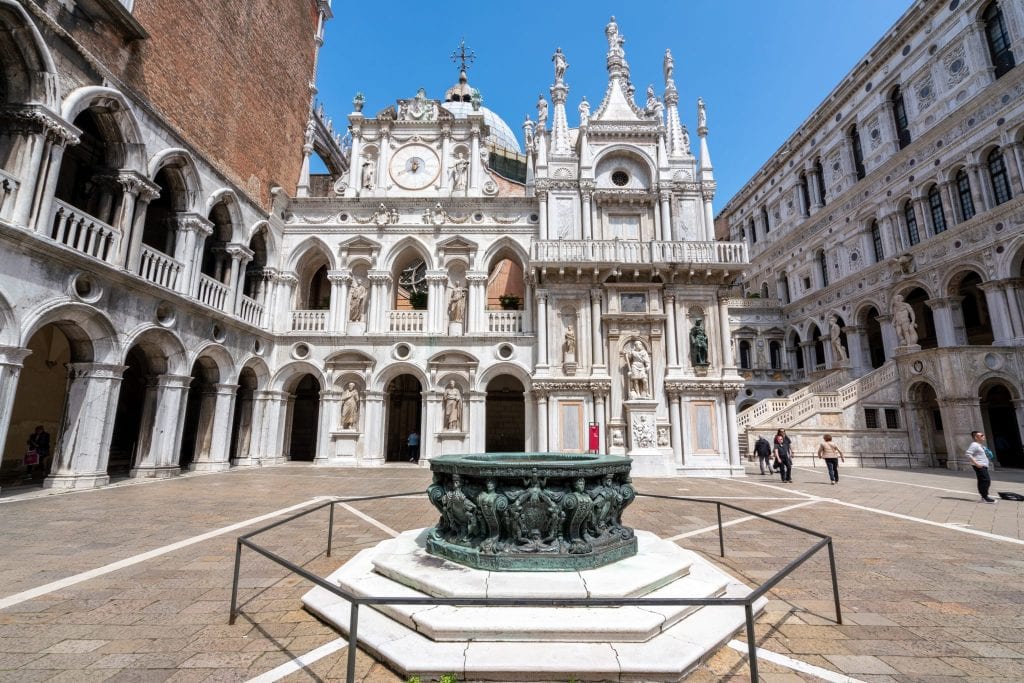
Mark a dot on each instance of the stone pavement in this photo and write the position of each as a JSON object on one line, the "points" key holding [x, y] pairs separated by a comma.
{"points": [[132, 582]]}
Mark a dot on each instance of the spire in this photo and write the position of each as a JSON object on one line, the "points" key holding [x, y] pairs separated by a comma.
{"points": [[678, 138], [461, 91], [560, 125], [618, 104], [702, 132]]}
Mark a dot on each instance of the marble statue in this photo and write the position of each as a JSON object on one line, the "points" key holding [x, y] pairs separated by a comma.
{"points": [[638, 363], [349, 406], [668, 66], [542, 111], [560, 65], [452, 402], [570, 341], [357, 301], [702, 114], [904, 321], [653, 106], [460, 172], [834, 332], [686, 140], [584, 113], [615, 39], [528, 132], [457, 304], [369, 170], [698, 344]]}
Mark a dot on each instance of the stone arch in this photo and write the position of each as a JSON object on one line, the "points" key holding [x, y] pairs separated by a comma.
{"points": [[163, 350], [998, 396], [312, 262], [633, 161], [117, 122], [503, 368], [506, 247], [259, 368], [227, 198], [399, 252], [507, 265], [908, 286], [8, 323], [226, 370], [963, 268], [307, 246], [924, 418], [92, 336], [385, 375], [291, 373], [1012, 262], [181, 172], [25, 60]]}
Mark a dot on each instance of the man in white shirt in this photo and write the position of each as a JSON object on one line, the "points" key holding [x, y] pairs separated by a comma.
{"points": [[977, 455]]}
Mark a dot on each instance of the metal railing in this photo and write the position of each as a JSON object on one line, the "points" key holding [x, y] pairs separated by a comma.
{"points": [[747, 602]]}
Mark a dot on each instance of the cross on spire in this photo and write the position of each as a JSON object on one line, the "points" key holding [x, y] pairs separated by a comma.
{"points": [[464, 56]]}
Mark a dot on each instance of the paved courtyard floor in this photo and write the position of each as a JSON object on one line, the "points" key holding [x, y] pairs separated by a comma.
{"points": [[132, 582]]}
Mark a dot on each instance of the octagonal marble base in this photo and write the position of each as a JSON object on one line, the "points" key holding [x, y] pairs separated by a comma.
{"points": [[535, 643]]}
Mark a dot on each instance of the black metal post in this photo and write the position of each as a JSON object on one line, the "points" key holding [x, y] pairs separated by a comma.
{"points": [[721, 538], [353, 642], [751, 642], [330, 529], [234, 583], [835, 581]]}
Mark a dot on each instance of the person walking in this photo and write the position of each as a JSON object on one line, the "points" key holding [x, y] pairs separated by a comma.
{"points": [[832, 455], [977, 454], [38, 452], [763, 451], [413, 443], [783, 458]]}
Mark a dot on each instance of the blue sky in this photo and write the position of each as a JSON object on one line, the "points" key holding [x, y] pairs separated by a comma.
{"points": [[760, 66]]}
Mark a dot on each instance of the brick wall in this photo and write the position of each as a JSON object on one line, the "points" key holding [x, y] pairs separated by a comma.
{"points": [[232, 76]]}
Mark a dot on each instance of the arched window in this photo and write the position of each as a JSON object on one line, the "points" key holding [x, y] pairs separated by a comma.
{"points": [[876, 241], [913, 236], [998, 39], [764, 220], [775, 354], [936, 210], [963, 190], [819, 172], [805, 196], [753, 231], [858, 153], [745, 354], [784, 287], [899, 117], [823, 266], [764, 290], [997, 174]]}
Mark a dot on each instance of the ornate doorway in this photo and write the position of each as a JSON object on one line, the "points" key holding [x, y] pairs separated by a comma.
{"points": [[505, 431], [405, 409]]}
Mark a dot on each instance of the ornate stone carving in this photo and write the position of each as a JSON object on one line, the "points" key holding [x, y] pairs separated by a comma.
{"points": [[452, 402], [638, 370], [698, 344], [904, 321], [350, 407], [357, 297], [643, 435], [954, 63]]}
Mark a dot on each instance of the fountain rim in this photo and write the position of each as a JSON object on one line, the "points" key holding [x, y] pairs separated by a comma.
{"points": [[543, 461]]}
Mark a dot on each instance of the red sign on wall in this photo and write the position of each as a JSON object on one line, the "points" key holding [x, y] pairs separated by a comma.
{"points": [[594, 440]]}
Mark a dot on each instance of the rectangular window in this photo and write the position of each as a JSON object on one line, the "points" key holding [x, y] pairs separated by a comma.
{"points": [[625, 227], [911, 218], [876, 241], [807, 283], [571, 426], [703, 426], [871, 418], [892, 418], [963, 188]]}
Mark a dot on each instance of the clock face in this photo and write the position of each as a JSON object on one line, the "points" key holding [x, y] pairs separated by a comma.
{"points": [[414, 167]]}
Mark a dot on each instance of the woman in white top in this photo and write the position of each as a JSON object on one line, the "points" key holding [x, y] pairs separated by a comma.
{"points": [[832, 455]]}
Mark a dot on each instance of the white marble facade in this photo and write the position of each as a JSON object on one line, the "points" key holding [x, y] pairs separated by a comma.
{"points": [[444, 283], [894, 209]]}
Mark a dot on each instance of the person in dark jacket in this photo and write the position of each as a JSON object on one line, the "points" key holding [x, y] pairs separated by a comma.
{"points": [[783, 457], [763, 451]]}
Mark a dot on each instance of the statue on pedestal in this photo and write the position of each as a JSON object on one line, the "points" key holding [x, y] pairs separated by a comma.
{"points": [[457, 304], [638, 364], [570, 342], [904, 321], [460, 173], [698, 344], [357, 301], [349, 406], [367, 177], [452, 402], [834, 332]]}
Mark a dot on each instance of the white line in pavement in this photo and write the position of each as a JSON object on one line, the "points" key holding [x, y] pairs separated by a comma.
{"points": [[951, 526], [732, 522], [890, 481], [366, 518], [773, 487], [301, 662], [795, 664], [142, 557]]}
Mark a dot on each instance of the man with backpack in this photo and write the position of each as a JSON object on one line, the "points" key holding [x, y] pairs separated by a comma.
{"points": [[763, 451]]}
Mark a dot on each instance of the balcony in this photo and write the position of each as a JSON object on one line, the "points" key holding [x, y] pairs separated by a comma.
{"points": [[635, 252], [8, 194], [407, 322], [76, 229], [505, 322], [250, 311], [211, 292], [159, 268], [309, 321]]}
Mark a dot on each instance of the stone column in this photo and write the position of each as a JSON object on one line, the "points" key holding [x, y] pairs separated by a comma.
{"points": [[889, 226], [854, 344], [817, 201], [666, 216], [328, 420], [338, 313], [588, 229], [1018, 409], [724, 333], [600, 393], [355, 121], [46, 188], [131, 243], [123, 217], [596, 336], [379, 303], [476, 420], [373, 401], [474, 158], [12, 359], [924, 219], [948, 204], [437, 302], [283, 300], [949, 322], [657, 236], [542, 330], [730, 428], [542, 213], [213, 438], [709, 215], [160, 444], [446, 152], [999, 313], [81, 452], [675, 417], [542, 419], [192, 232], [271, 420], [980, 190], [1012, 288], [890, 340], [341, 291], [670, 330], [1010, 159], [30, 169], [240, 257], [476, 304], [246, 406]]}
